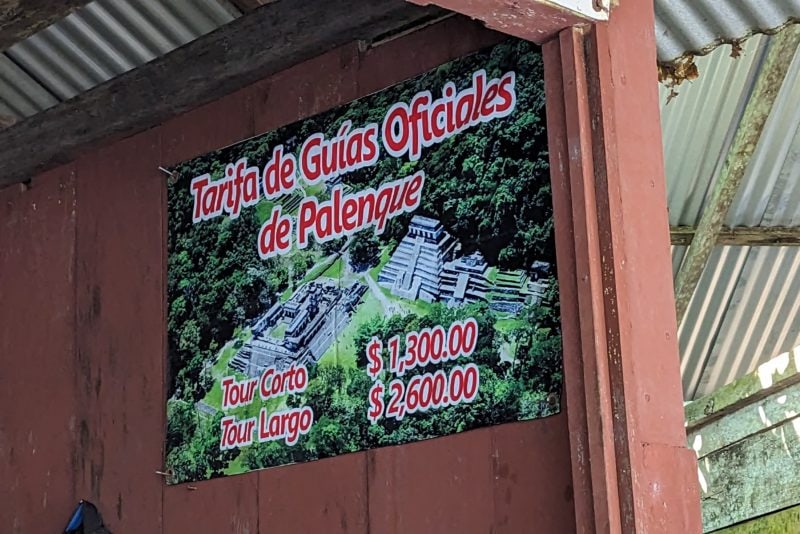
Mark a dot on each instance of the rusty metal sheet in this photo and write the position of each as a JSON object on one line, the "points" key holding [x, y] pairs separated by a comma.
{"points": [[224, 505], [119, 286], [440, 485], [327, 496], [532, 478], [38, 433]]}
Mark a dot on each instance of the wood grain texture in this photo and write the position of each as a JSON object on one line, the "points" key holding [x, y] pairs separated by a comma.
{"points": [[747, 438], [22, 18], [778, 523], [40, 439], [121, 321], [221, 505], [761, 236], [752, 477], [512, 478], [329, 496]]}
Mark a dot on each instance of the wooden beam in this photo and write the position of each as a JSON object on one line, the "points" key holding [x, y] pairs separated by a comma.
{"points": [[535, 20], [268, 40], [246, 6], [760, 236], [758, 108], [19, 19]]}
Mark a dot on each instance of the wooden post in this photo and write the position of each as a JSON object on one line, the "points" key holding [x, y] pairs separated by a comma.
{"points": [[632, 471]]}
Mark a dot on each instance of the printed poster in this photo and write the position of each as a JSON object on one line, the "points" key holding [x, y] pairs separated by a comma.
{"points": [[379, 274]]}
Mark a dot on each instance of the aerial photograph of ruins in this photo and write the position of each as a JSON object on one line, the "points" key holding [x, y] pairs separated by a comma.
{"points": [[478, 245], [426, 266]]}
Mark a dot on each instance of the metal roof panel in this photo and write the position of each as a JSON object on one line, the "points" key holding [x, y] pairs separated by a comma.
{"points": [[699, 26]]}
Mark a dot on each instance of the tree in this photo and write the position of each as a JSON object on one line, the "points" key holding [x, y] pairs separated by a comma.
{"points": [[364, 250], [267, 454]]}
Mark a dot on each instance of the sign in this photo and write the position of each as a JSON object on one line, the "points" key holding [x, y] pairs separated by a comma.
{"points": [[378, 274]]}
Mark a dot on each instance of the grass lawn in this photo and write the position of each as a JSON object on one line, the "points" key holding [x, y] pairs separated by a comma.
{"points": [[287, 294], [335, 270], [279, 330], [417, 307], [506, 325], [264, 210], [385, 257], [220, 368], [315, 189], [236, 466], [345, 348], [491, 274], [318, 269]]}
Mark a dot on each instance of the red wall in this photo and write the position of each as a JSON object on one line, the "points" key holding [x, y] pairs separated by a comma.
{"points": [[82, 351]]}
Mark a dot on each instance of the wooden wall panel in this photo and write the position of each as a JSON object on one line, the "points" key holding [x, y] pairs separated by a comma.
{"points": [[221, 505], [306, 89], [119, 289], [503, 479], [40, 439], [401, 58], [105, 331], [327, 496], [531, 477], [440, 485], [207, 128]]}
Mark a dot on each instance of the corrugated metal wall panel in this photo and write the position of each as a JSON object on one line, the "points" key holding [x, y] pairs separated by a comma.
{"points": [[104, 40], [762, 182], [700, 329], [759, 320], [699, 25], [21, 95], [698, 126], [745, 307]]}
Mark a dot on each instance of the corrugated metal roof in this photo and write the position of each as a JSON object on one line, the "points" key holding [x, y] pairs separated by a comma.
{"points": [[745, 308], [92, 45], [698, 26]]}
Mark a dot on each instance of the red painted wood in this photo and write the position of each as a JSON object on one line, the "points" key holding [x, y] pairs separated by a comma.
{"points": [[602, 463], [325, 496], [40, 439], [658, 487], [108, 368], [531, 477], [223, 505], [534, 21], [207, 128], [392, 61], [439, 485], [296, 94], [574, 382], [632, 470], [119, 288]]}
